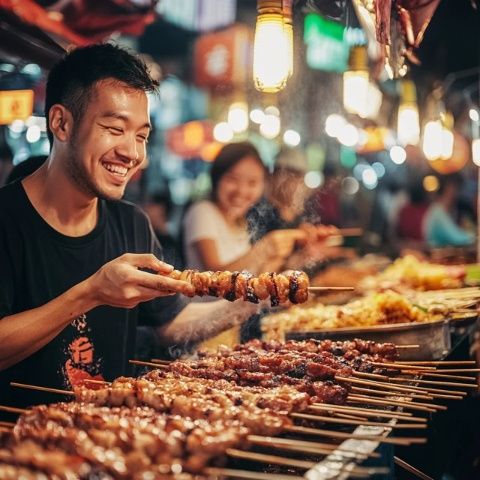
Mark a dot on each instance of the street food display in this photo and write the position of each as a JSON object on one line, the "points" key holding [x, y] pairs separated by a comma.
{"points": [[409, 272], [374, 309], [181, 418]]}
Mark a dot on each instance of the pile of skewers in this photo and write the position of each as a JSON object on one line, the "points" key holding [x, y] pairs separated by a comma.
{"points": [[184, 418]]}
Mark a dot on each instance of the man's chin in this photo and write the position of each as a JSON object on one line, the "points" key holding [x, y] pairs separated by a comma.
{"points": [[111, 194]]}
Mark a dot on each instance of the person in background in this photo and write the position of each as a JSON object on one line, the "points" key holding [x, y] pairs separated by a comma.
{"points": [[215, 231], [283, 203], [411, 215], [440, 227]]}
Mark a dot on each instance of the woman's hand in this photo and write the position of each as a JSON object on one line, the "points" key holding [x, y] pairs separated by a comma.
{"points": [[123, 282], [279, 243]]}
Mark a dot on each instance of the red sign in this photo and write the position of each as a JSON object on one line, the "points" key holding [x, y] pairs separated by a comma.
{"points": [[223, 58]]}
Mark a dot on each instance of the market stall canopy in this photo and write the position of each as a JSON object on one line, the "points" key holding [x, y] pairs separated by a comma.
{"points": [[82, 21]]}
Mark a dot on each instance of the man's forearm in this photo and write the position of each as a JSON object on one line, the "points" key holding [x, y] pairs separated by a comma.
{"points": [[199, 321], [24, 333]]}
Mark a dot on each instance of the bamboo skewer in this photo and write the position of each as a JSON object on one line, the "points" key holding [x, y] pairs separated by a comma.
{"points": [[407, 346], [42, 389], [446, 376], [19, 411], [7, 424], [362, 472], [6, 430], [402, 366], [459, 370], [389, 393], [370, 412], [429, 391], [372, 376], [330, 447], [330, 289], [350, 417], [247, 474], [146, 364], [323, 419], [409, 468], [371, 401], [437, 362], [264, 458], [401, 403], [435, 382], [405, 441]]}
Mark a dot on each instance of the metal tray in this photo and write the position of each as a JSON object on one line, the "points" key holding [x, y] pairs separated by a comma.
{"points": [[433, 338]]}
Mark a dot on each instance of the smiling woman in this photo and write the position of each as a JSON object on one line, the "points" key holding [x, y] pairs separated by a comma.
{"points": [[215, 230]]}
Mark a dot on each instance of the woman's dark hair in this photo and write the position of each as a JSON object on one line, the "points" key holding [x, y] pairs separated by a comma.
{"points": [[71, 81], [228, 157]]}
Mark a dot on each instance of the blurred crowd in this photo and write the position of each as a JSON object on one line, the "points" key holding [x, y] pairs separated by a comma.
{"points": [[258, 220]]}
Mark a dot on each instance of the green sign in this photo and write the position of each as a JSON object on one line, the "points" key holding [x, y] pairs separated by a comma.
{"points": [[328, 43]]}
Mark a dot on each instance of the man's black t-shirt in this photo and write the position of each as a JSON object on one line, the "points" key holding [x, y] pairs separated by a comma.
{"points": [[38, 263]]}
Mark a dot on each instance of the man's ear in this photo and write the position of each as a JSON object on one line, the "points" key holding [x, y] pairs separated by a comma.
{"points": [[60, 122]]}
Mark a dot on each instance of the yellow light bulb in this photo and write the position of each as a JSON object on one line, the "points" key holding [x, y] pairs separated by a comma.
{"points": [[271, 65], [408, 124]]}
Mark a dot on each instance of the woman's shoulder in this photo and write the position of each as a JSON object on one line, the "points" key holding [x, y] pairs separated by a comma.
{"points": [[202, 207]]}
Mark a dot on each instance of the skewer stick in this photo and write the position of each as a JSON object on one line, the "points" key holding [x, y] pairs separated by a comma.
{"points": [[296, 448], [372, 376], [330, 289], [407, 346], [409, 468], [371, 401], [405, 441], [159, 360], [441, 375], [319, 418], [147, 364], [330, 447], [6, 430], [247, 474], [458, 370], [437, 362], [400, 402], [42, 389], [350, 417], [435, 382], [429, 391], [359, 472], [263, 457], [402, 366], [386, 393], [5, 408], [368, 412], [7, 424], [97, 382]]}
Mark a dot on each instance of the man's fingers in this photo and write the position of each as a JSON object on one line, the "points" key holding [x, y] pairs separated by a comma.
{"points": [[150, 261], [164, 283]]}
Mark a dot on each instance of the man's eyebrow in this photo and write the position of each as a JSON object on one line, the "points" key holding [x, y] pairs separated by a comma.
{"points": [[124, 118]]}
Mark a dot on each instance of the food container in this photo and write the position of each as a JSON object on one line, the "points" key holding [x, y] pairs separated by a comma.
{"points": [[433, 338]]}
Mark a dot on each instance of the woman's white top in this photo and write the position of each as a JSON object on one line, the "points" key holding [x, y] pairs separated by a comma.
{"points": [[204, 220]]}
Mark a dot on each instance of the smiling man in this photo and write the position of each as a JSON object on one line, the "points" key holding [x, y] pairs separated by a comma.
{"points": [[79, 267]]}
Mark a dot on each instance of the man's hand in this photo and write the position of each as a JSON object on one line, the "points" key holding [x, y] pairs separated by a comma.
{"points": [[121, 283]]}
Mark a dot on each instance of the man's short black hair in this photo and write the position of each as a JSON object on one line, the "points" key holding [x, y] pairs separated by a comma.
{"points": [[70, 81]]}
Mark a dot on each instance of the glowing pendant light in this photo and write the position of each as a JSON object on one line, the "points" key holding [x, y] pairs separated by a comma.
{"points": [[408, 123], [356, 82], [272, 49]]}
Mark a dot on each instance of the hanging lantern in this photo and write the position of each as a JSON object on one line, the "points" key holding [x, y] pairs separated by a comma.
{"points": [[408, 123], [356, 82], [272, 48]]}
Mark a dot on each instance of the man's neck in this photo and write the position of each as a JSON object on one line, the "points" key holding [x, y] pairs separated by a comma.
{"points": [[60, 202]]}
